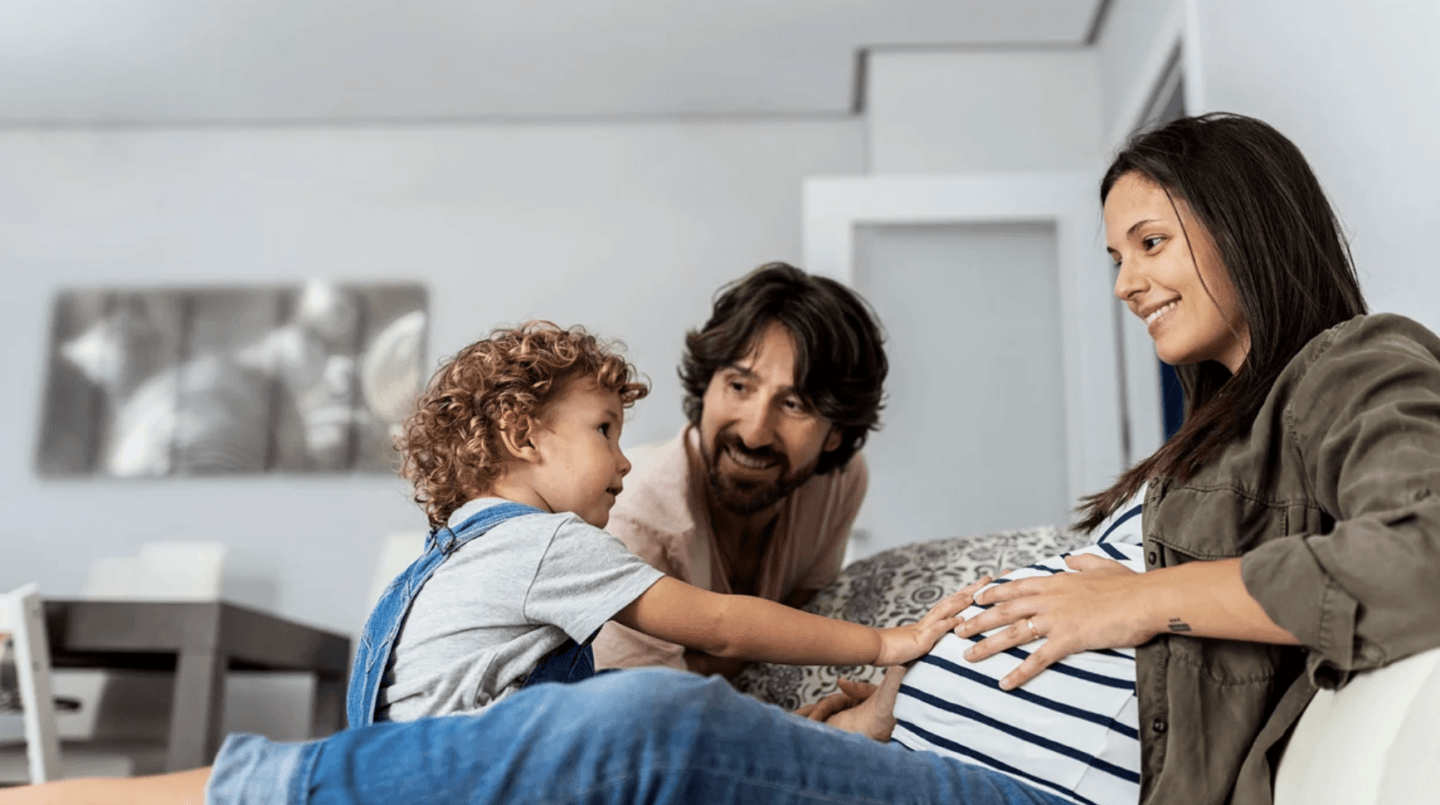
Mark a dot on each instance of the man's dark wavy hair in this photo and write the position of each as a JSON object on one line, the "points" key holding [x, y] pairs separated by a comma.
{"points": [[840, 363]]}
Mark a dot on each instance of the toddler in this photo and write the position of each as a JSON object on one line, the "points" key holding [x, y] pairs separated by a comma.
{"points": [[514, 453]]}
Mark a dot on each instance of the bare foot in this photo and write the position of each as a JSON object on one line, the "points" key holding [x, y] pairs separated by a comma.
{"points": [[178, 788]]}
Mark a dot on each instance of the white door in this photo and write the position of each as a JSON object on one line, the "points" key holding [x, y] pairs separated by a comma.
{"points": [[974, 428]]}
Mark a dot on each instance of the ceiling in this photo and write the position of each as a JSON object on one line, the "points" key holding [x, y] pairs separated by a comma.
{"points": [[198, 62]]}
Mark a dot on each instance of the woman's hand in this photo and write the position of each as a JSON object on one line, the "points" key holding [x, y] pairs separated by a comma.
{"points": [[1098, 607]]}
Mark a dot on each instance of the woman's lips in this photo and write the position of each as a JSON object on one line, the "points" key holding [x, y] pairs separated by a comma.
{"points": [[1157, 314]]}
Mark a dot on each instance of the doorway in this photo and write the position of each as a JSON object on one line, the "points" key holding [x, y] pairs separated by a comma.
{"points": [[974, 433]]}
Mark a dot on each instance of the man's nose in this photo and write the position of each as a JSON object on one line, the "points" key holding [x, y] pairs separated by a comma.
{"points": [[755, 428]]}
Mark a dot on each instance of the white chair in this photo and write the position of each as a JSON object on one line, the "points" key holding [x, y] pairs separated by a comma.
{"points": [[161, 571], [22, 621]]}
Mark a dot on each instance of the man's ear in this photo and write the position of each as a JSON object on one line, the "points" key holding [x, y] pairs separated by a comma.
{"points": [[518, 443], [833, 439]]}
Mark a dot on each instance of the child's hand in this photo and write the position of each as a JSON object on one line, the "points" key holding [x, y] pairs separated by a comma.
{"points": [[904, 643]]}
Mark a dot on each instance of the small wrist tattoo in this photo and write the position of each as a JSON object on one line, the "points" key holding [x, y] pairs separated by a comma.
{"points": [[1177, 625]]}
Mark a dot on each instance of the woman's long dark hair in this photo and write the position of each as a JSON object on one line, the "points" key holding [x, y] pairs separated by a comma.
{"points": [[1281, 245]]}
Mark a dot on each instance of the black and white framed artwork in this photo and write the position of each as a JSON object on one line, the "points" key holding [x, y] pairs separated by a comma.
{"points": [[204, 381]]}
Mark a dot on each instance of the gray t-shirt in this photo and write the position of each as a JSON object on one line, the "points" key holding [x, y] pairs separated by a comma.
{"points": [[499, 604]]}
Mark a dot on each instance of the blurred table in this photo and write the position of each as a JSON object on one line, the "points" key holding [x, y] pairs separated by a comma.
{"points": [[199, 641]]}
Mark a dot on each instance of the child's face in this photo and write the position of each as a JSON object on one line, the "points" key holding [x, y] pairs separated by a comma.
{"points": [[578, 442]]}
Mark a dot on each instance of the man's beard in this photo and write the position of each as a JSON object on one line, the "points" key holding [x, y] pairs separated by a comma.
{"points": [[744, 497]]}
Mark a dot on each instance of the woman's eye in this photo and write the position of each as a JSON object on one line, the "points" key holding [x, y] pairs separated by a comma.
{"points": [[1151, 242]]}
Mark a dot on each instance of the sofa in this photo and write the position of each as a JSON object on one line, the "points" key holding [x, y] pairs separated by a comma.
{"points": [[1377, 740]]}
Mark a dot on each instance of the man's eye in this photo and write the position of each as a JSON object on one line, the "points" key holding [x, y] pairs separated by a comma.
{"points": [[737, 386]]}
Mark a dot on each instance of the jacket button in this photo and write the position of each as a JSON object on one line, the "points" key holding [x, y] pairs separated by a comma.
{"points": [[1159, 725], [1152, 557]]}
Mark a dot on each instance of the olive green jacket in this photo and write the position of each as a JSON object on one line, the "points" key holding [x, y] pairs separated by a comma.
{"points": [[1331, 501]]}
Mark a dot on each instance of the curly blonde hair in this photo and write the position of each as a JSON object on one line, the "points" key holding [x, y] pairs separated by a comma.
{"points": [[450, 447]]}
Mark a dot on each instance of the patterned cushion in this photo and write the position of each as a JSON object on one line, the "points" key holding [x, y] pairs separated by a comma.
{"points": [[896, 587]]}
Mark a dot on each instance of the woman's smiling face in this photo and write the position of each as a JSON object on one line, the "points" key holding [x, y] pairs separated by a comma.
{"points": [[1188, 304]]}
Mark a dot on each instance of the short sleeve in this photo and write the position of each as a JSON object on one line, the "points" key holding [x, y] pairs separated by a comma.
{"points": [[584, 578]]}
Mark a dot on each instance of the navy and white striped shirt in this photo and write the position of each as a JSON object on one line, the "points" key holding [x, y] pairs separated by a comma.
{"points": [[1071, 731]]}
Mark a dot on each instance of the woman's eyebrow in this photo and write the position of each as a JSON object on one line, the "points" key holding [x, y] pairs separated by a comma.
{"points": [[1139, 224]]}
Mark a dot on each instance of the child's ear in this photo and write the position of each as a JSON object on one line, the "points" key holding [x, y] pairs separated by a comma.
{"points": [[518, 443]]}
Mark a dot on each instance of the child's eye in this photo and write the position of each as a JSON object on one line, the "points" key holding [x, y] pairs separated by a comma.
{"points": [[605, 429]]}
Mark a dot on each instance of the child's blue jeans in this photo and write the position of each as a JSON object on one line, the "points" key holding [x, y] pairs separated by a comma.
{"points": [[647, 735]]}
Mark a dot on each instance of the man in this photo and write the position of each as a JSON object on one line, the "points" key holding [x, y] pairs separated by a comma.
{"points": [[758, 492]]}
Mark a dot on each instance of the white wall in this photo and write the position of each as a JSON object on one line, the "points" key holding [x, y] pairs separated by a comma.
{"points": [[628, 229], [983, 110], [992, 115], [1357, 87], [1136, 39]]}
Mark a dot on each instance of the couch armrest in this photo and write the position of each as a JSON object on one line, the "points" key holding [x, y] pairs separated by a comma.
{"points": [[1374, 741]]}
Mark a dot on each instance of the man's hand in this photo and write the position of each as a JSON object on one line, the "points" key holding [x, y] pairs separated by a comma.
{"points": [[861, 707], [849, 695]]}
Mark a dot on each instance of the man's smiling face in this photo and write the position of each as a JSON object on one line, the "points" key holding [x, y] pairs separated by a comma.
{"points": [[759, 439]]}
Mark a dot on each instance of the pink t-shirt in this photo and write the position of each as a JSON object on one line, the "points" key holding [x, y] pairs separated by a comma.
{"points": [[662, 516]]}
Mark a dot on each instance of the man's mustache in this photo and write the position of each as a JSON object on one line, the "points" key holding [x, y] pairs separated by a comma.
{"points": [[730, 441]]}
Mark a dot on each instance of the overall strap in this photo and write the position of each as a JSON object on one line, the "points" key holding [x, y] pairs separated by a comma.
{"points": [[447, 539], [377, 640]]}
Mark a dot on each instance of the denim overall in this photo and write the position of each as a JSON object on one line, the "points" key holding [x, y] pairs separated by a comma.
{"points": [[571, 662]]}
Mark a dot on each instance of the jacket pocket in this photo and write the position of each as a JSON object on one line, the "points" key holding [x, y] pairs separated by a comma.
{"points": [[1214, 522]]}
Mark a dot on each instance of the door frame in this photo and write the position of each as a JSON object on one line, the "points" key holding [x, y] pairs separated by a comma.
{"points": [[1174, 57]]}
